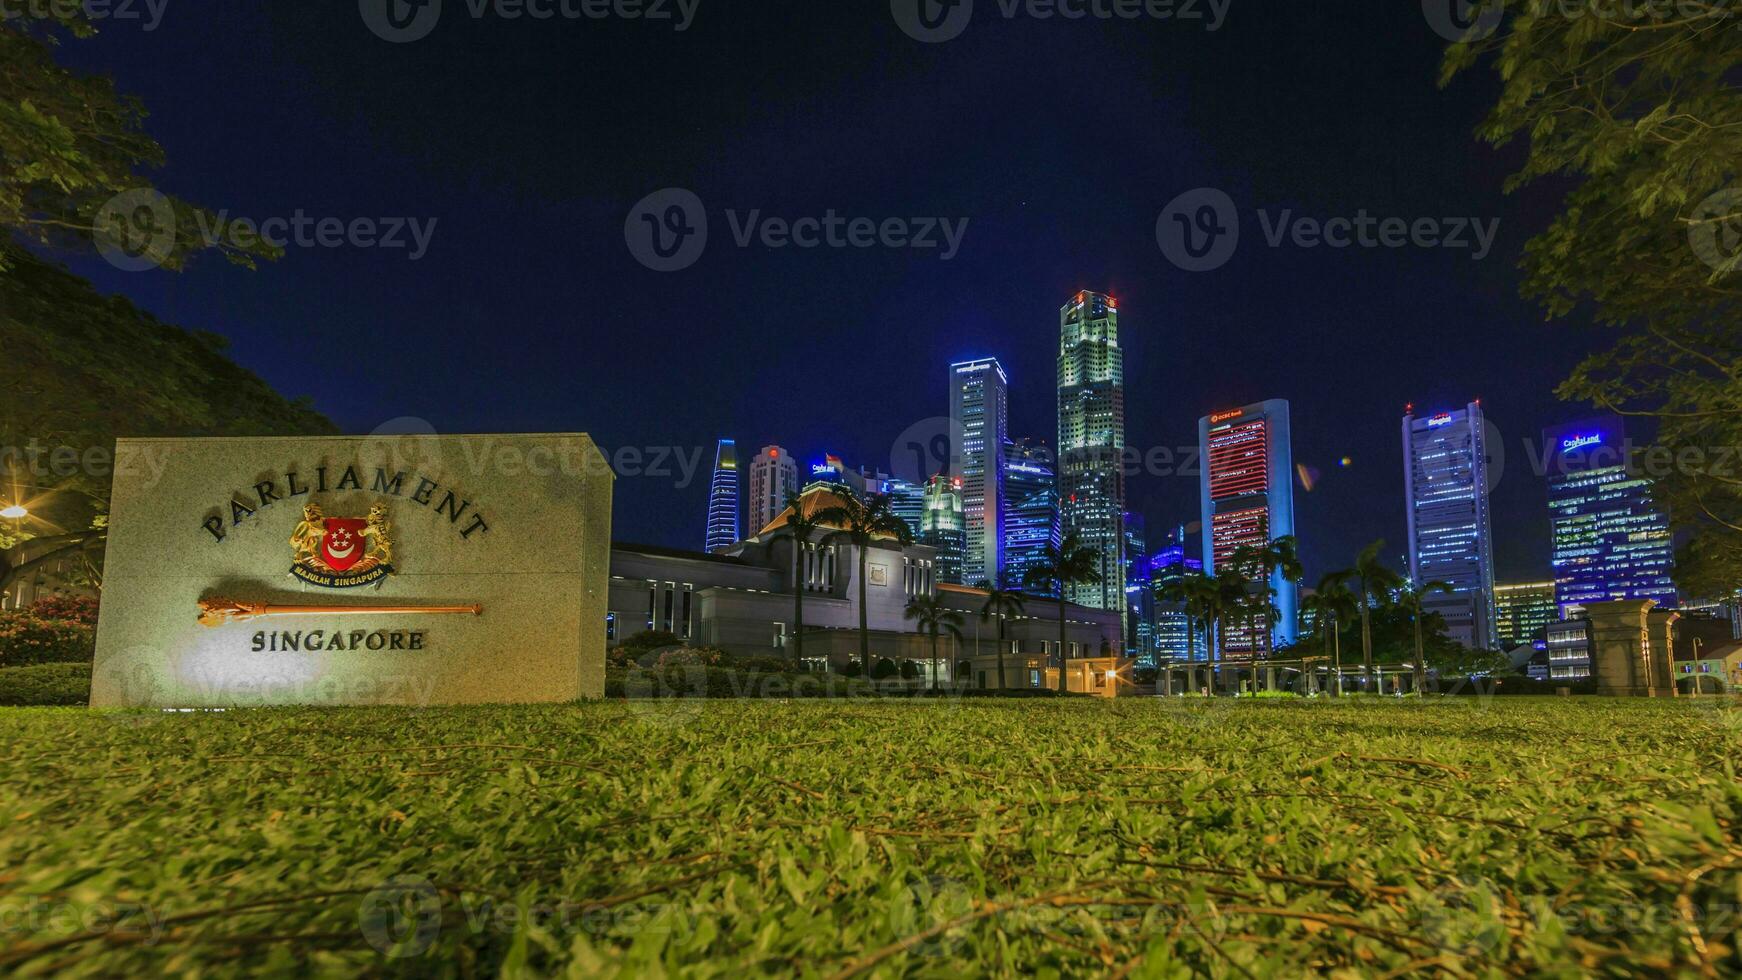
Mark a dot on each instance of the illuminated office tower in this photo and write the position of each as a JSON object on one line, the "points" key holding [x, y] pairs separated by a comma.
{"points": [[979, 404], [1522, 609], [1091, 441], [1139, 600], [944, 526], [1247, 494], [1610, 539], [1032, 519], [1176, 637], [906, 501], [773, 475], [723, 498], [1445, 491]]}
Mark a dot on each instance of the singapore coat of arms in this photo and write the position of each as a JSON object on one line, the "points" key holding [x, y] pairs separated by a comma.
{"points": [[342, 552]]}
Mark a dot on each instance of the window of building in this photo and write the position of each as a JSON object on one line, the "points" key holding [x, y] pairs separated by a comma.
{"points": [[652, 601], [780, 636], [1034, 678], [670, 603], [610, 627]]}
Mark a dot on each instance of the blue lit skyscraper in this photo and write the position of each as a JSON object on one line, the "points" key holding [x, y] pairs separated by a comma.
{"points": [[1091, 443], [1032, 520], [1610, 539], [1247, 492], [723, 498], [1445, 481], [1176, 637], [979, 404]]}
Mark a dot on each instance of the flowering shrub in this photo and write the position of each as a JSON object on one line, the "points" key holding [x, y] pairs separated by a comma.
{"points": [[691, 657], [74, 608], [28, 639]]}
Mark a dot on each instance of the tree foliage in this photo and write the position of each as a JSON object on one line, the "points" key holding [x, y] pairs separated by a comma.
{"points": [[79, 369], [1637, 104], [73, 152]]}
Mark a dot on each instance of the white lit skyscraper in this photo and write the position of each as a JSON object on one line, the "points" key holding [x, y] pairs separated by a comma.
{"points": [[723, 498], [1091, 443], [979, 404], [1445, 486], [1247, 492], [773, 475]]}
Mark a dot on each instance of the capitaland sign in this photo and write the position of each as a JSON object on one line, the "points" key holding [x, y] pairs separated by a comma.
{"points": [[356, 570]]}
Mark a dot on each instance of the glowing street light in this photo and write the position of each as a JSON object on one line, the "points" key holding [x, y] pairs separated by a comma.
{"points": [[16, 512]]}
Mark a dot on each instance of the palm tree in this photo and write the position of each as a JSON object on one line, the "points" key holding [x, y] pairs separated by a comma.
{"points": [[932, 618], [1412, 597], [1376, 583], [1336, 605], [859, 521], [801, 528], [1002, 604], [1229, 598], [1070, 562], [1279, 556]]}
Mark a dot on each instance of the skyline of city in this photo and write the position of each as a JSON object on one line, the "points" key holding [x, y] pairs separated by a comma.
{"points": [[1247, 479]]}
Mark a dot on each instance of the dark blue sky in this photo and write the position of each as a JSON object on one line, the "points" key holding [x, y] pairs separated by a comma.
{"points": [[529, 142]]}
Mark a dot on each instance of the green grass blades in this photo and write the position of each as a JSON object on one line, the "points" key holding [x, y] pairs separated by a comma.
{"points": [[699, 837]]}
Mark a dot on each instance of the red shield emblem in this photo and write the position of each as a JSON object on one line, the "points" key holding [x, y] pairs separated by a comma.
{"points": [[342, 546]]}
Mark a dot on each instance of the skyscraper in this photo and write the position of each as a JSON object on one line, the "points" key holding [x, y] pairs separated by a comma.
{"points": [[1091, 441], [1247, 492], [1445, 489], [1176, 637], [773, 475], [943, 527], [723, 498], [979, 404], [1139, 599], [1032, 522], [906, 501], [1522, 609], [1610, 539]]}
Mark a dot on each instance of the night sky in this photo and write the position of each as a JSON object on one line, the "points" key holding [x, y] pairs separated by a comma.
{"points": [[530, 141]]}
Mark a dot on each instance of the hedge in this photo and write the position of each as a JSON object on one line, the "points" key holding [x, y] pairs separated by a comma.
{"points": [[45, 685]]}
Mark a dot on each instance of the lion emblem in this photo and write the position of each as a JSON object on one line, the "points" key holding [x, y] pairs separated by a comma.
{"points": [[306, 540], [375, 534]]}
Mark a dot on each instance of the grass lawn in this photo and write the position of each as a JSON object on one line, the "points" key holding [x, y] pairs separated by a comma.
{"points": [[1252, 839]]}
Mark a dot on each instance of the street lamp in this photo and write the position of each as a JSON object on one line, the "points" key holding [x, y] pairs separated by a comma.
{"points": [[16, 512]]}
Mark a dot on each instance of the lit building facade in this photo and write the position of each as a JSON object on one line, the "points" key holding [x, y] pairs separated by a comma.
{"points": [[1139, 599], [1521, 609], [773, 475], [944, 527], [1032, 521], [1091, 442], [980, 406], [723, 499], [1610, 539], [1445, 486], [906, 501], [1176, 638], [1246, 488]]}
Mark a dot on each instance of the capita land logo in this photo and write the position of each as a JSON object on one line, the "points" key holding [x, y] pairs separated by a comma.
{"points": [[342, 552]]}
